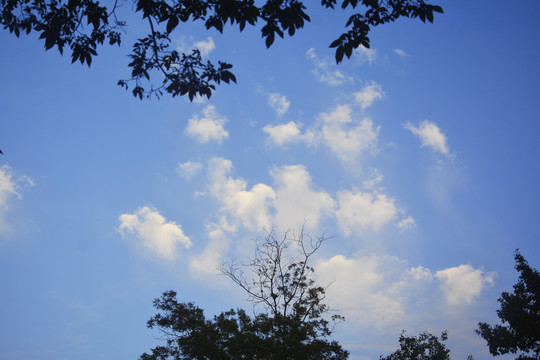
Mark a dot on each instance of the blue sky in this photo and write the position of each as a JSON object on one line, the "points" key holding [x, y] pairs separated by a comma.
{"points": [[418, 158]]}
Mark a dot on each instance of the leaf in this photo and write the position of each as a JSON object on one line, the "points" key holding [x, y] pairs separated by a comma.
{"points": [[429, 15], [172, 23], [269, 40], [336, 43], [437, 8], [339, 54]]}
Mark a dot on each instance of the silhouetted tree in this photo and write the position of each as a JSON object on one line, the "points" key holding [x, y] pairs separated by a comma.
{"points": [[82, 25], [289, 320], [423, 347], [520, 316]]}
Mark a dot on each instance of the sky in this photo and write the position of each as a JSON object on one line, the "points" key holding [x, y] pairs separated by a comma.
{"points": [[417, 159]]}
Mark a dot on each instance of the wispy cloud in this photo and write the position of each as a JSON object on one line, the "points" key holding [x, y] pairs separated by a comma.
{"points": [[430, 135], [209, 127], [189, 169], [279, 103], [363, 55], [401, 53], [163, 238], [325, 70], [205, 46], [10, 186]]}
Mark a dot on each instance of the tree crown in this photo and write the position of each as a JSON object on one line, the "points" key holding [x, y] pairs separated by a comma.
{"points": [[83, 25]]}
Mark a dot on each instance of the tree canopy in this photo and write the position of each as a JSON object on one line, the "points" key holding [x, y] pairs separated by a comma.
{"points": [[81, 26], [422, 347], [520, 316], [289, 320]]}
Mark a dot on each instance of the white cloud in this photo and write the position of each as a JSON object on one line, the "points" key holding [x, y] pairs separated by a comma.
{"points": [[340, 129], [279, 103], [365, 289], [345, 137], [249, 207], [359, 211], [376, 179], [463, 284], [209, 260], [326, 71], [364, 55], [406, 223], [291, 202], [421, 273], [283, 134], [189, 169], [384, 293], [205, 46], [296, 201], [368, 95], [9, 187], [154, 232], [401, 53], [430, 135], [209, 127]]}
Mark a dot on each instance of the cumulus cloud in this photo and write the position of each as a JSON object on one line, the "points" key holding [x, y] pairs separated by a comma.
{"points": [[247, 207], [325, 70], [289, 203], [293, 199], [340, 129], [279, 103], [360, 211], [284, 134], [368, 95], [463, 284], [154, 232], [10, 186], [209, 260], [297, 201], [366, 289], [189, 169], [205, 46], [346, 137], [385, 292], [430, 135], [209, 127]]}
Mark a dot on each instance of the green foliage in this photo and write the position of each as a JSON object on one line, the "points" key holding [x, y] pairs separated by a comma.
{"points": [[82, 25], [520, 316], [424, 347], [289, 324]]}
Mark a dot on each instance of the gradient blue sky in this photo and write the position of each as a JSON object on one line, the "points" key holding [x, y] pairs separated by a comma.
{"points": [[419, 158]]}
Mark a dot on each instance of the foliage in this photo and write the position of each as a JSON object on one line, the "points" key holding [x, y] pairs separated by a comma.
{"points": [[424, 347], [288, 320], [520, 316], [82, 25]]}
